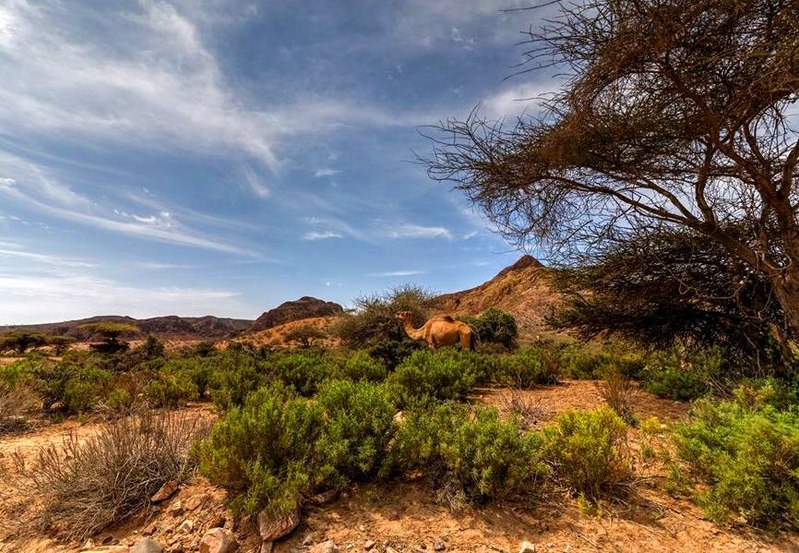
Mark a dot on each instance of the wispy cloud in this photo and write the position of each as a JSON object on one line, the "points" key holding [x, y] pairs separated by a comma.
{"points": [[324, 235], [32, 188], [396, 273], [326, 172], [52, 260], [419, 231], [255, 183]]}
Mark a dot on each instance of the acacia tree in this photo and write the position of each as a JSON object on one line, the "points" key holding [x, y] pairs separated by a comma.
{"points": [[674, 114]]}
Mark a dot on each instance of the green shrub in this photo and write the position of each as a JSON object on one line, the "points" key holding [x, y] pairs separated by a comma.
{"points": [[265, 453], [748, 455], [232, 375], [427, 377], [170, 390], [394, 352], [494, 326], [359, 422], [362, 366], [303, 371], [525, 369], [678, 375], [119, 400], [588, 451], [480, 455]]}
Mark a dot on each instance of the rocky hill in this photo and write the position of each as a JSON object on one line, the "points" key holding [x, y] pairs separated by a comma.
{"points": [[524, 289], [169, 327], [304, 308]]}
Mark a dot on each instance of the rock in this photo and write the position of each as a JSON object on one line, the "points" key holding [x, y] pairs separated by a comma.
{"points": [[177, 548], [107, 549], [166, 491], [439, 545], [266, 547], [175, 508], [527, 547], [368, 545], [149, 530], [307, 541], [325, 497], [218, 540], [147, 545], [328, 546], [219, 522], [390, 549], [195, 501], [186, 527], [272, 528]]}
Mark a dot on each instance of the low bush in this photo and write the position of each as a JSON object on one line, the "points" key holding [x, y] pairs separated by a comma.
{"points": [[494, 326], [587, 450], [265, 452], [231, 376], [475, 454], [680, 375], [17, 401], [616, 390], [359, 423], [748, 455], [304, 371], [592, 366], [427, 377], [525, 369], [362, 366], [170, 390], [393, 352], [90, 483]]}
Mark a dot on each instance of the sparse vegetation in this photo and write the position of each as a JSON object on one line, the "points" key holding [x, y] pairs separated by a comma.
{"points": [[90, 483]]}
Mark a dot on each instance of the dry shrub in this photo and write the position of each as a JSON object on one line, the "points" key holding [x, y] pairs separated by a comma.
{"points": [[526, 407], [87, 484], [17, 401], [616, 389]]}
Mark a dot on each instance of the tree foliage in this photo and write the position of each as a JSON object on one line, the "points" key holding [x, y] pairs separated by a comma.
{"points": [[21, 341], [674, 114]]}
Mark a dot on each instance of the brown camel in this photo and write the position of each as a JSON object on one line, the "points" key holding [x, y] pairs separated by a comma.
{"points": [[439, 331]]}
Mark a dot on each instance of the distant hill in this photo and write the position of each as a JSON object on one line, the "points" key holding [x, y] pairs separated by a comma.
{"points": [[524, 290], [169, 327], [304, 308]]}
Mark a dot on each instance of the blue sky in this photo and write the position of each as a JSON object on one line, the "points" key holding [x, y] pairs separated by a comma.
{"points": [[221, 157]]}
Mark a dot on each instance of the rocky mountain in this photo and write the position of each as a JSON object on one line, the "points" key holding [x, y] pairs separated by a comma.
{"points": [[304, 308], [169, 327], [524, 290]]}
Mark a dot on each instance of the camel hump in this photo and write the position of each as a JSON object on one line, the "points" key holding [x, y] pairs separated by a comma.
{"points": [[446, 318]]}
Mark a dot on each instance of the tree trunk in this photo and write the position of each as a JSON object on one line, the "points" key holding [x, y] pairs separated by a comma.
{"points": [[786, 289]]}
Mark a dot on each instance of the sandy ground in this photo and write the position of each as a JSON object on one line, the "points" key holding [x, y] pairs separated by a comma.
{"points": [[407, 517]]}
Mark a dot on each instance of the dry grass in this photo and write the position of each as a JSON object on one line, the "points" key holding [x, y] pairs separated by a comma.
{"points": [[89, 484], [616, 389], [16, 403], [527, 407]]}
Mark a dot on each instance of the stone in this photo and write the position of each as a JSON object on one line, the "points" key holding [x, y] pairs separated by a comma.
{"points": [[196, 501], [266, 547], [368, 545], [390, 549], [219, 522], [273, 528], [177, 548], [307, 541], [175, 508], [147, 545], [166, 491], [218, 540], [149, 530], [325, 497], [107, 549], [328, 546], [527, 547], [439, 545], [186, 527]]}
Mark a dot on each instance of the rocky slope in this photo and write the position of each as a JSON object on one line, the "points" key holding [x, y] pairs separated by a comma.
{"points": [[524, 289], [304, 308]]}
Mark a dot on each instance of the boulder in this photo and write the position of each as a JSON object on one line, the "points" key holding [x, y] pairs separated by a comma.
{"points": [[166, 491], [218, 540], [273, 528], [147, 545]]}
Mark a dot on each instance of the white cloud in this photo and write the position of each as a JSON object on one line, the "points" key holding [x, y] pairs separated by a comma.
{"points": [[49, 298], [34, 189], [324, 235], [51, 260], [419, 231], [325, 172], [255, 183], [516, 100]]}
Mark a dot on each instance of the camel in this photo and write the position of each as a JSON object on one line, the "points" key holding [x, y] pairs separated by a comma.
{"points": [[439, 331]]}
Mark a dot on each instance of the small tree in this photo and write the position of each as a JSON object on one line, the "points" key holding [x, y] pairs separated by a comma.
{"points": [[110, 332], [60, 344], [305, 336], [20, 342]]}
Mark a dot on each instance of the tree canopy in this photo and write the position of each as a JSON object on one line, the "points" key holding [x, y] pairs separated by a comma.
{"points": [[675, 114]]}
